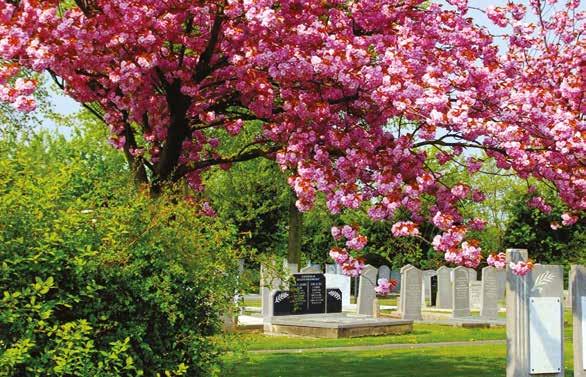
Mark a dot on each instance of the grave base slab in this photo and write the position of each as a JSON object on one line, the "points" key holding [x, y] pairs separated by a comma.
{"points": [[338, 325]]}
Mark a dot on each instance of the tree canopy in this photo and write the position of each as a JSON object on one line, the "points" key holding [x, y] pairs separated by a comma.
{"points": [[355, 98]]}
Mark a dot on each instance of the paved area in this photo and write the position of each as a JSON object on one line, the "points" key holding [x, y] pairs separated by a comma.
{"points": [[385, 347]]}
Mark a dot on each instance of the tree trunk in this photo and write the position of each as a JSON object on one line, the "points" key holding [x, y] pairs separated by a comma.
{"points": [[295, 233]]}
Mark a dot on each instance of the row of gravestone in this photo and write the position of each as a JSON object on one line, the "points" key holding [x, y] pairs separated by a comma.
{"points": [[449, 289]]}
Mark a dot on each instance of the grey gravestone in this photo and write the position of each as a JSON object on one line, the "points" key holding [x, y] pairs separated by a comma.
{"points": [[475, 294], [293, 268], [501, 283], [396, 275], [411, 285], [313, 269], [461, 293], [401, 293], [330, 268], [342, 282], [268, 283], [240, 267], [578, 299], [489, 297], [384, 272], [444, 290], [472, 275], [534, 320], [366, 293]]}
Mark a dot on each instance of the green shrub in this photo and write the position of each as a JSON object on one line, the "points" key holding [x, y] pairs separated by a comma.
{"points": [[98, 279]]}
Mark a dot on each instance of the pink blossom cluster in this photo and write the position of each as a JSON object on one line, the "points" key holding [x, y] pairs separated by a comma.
{"points": [[497, 260], [521, 268], [353, 266], [384, 286], [404, 229], [369, 103]]}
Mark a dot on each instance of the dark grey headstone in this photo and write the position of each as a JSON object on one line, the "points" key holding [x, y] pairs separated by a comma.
{"points": [[308, 294]]}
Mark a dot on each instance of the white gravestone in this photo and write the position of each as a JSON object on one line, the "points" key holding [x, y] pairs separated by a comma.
{"points": [[534, 320], [578, 301], [411, 284], [460, 293], [366, 293], [341, 282], [444, 288], [330, 268]]}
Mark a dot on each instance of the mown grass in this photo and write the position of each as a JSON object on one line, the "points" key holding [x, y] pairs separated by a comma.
{"points": [[469, 361]]}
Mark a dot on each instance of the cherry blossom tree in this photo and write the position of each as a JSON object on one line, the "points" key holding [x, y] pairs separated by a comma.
{"points": [[365, 101]]}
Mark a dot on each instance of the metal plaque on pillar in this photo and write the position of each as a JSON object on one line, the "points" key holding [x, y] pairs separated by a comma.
{"points": [[545, 335]]}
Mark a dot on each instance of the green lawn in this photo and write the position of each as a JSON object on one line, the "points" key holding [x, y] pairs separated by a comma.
{"points": [[421, 334], [469, 361]]}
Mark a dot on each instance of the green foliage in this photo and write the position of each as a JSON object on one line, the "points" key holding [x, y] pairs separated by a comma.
{"points": [[97, 279]]}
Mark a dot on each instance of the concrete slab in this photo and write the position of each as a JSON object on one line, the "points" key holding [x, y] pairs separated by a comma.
{"points": [[338, 325]]}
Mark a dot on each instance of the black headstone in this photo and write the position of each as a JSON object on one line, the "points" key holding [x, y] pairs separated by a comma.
{"points": [[433, 290], [308, 294], [334, 300], [282, 303]]}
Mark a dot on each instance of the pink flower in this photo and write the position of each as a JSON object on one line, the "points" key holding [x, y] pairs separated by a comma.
{"points": [[336, 233], [25, 104], [477, 224], [384, 286], [339, 255], [348, 232], [357, 243], [405, 229], [521, 268], [443, 220], [539, 203], [460, 191], [353, 267], [497, 15], [569, 219], [497, 260]]}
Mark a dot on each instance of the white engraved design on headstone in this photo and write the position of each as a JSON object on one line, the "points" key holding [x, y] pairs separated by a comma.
{"points": [[542, 280], [335, 295], [281, 296], [545, 334]]}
